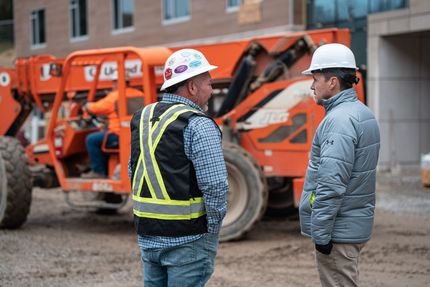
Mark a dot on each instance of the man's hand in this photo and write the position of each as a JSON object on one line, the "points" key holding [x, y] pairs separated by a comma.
{"points": [[324, 249]]}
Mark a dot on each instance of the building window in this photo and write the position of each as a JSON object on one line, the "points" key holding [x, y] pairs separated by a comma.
{"points": [[38, 27], [328, 13], [6, 25], [350, 14], [233, 5], [78, 16], [386, 5], [176, 11], [123, 11]]}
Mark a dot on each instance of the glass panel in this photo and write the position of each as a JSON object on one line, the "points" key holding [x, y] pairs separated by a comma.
{"points": [[73, 18], [127, 13], [358, 8], [343, 10], [349, 9], [41, 26], [324, 11], [386, 5], [232, 3], [397, 4], [82, 17], [175, 9], [375, 6], [33, 28], [166, 14], [181, 8], [6, 10]]}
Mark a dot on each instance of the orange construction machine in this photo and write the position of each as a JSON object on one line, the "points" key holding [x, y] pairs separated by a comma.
{"points": [[262, 103]]}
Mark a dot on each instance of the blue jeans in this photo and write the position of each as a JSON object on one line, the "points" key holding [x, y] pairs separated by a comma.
{"points": [[98, 159], [190, 264]]}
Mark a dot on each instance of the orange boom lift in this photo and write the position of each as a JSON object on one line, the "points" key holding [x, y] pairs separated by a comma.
{"points": [[261, 101]]}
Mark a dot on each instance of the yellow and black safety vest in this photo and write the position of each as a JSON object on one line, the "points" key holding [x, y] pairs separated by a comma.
{"points": [[166, 197]]}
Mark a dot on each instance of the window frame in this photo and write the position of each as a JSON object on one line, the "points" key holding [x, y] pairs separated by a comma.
{"points": [[34, 14], [175, 20], [122, 29], [78, 38]]}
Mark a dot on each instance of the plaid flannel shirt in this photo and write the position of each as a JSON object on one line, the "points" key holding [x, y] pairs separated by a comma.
{"points": [[202, 145]]}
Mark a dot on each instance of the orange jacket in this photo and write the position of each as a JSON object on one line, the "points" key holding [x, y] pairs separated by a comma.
{"points": [[108, 107]]}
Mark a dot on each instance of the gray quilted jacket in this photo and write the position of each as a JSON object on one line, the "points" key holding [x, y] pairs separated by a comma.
{"points": [[338, 199]]}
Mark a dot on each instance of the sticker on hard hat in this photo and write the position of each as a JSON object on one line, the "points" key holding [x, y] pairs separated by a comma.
{"points": [[195, 64], [4, 79], [168, 73], [171, 62], [180, 69], [185, 53], [197, 56]]}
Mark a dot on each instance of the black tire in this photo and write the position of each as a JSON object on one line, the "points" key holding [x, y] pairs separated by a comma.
{"points": [[281, 199], [15, 184], [248, 193]]}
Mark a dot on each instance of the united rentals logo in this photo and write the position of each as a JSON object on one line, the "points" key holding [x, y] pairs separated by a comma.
{"points": [[168, 73]]}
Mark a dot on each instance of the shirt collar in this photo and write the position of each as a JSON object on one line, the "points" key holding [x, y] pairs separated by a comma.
{"points": [[172, 98]]}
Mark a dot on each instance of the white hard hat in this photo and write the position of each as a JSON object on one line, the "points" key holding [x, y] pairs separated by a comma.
{"points": [[184, 64], [331, 56]]}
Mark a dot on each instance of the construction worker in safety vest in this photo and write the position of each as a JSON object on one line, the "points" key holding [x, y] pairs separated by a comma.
{"points": [[338, 201], [179, 178], [107, 106]]}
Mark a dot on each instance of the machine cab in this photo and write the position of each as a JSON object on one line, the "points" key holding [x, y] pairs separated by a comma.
{"points": [[91, 73]]}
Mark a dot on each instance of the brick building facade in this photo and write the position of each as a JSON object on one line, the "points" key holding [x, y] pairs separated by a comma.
{"points": [[60, 27]]}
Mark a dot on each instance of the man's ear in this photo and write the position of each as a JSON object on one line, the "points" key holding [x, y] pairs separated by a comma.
{"points": [[192, 88], [334, 81]]}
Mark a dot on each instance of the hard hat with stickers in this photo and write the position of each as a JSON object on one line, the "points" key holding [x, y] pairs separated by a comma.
{"points": [[184, 64]]}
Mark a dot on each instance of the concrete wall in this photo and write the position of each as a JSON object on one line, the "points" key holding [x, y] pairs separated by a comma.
{"points": [[399, 83], [209, 21]]}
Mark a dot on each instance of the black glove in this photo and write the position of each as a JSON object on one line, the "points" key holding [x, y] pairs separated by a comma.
{"points": [[324, 249]]}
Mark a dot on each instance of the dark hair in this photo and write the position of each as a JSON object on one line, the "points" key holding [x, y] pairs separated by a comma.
{"points": [[173, 89], [345, 76]]}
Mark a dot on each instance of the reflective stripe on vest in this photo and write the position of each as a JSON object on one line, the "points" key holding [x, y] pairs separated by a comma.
{"points": [[168, 209], [159, 206]]}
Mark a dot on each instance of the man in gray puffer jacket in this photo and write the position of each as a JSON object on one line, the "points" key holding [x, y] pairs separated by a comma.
{"points": [[338, 201]]}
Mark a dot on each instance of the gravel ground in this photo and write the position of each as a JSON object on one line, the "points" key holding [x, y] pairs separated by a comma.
{"points": [[59, 246]]}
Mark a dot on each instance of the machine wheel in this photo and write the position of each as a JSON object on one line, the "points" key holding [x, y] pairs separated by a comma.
{"points": [[248, 193], [15, 184]]}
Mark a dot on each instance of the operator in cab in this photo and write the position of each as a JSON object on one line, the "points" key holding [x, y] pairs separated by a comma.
{"points": [[108, 107]]}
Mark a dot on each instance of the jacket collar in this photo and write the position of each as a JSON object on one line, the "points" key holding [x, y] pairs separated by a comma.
{"points": [[347, 95]]}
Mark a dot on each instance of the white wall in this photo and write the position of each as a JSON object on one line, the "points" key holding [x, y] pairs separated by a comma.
{"points": [[399, 83]]}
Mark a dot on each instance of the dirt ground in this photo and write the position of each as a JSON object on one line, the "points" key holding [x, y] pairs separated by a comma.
{"points": [[62, 247]]}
